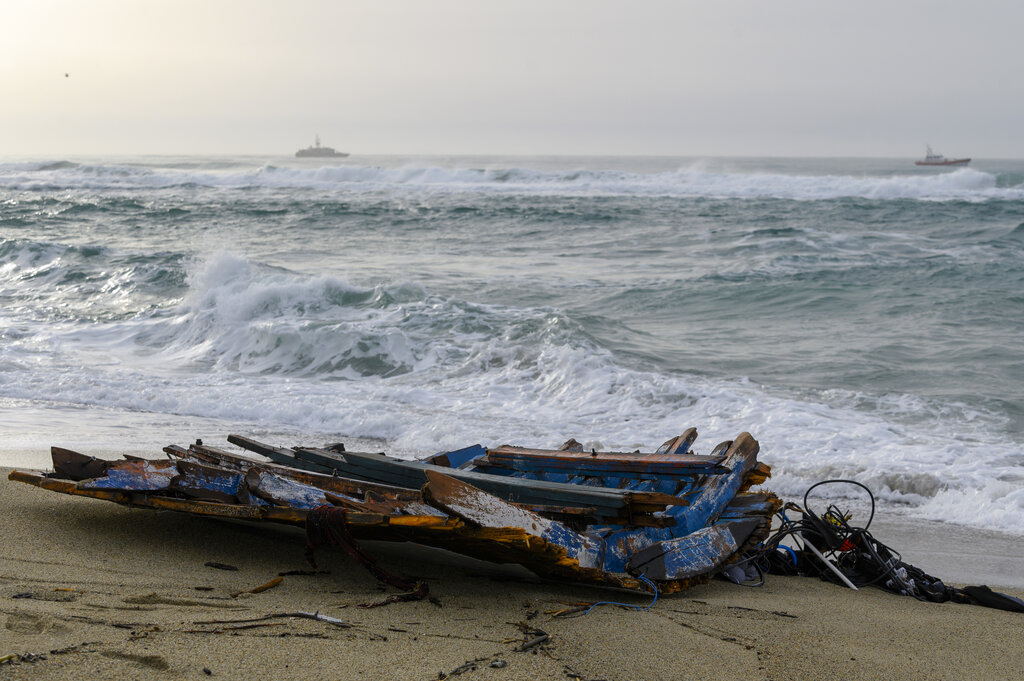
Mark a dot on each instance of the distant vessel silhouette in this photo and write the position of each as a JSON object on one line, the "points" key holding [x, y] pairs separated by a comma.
{"points": [[317, 151], [933, 159]]}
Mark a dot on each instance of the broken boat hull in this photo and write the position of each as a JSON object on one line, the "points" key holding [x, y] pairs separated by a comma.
{"points": [[614, 519]]}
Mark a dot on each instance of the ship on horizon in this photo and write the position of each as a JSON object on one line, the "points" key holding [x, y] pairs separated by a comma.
{"points": [[933, 159], [317, 151]]}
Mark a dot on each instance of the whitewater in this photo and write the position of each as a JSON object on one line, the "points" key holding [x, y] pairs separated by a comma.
{"points": [[860, 317]]}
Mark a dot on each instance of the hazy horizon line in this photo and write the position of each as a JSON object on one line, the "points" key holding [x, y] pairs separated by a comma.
{"points": [[436, 154]]}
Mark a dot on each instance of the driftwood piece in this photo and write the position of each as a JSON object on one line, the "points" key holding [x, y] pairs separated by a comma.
{"points": [[334, 621], [259, 589], [533, 643], [235, 627]]}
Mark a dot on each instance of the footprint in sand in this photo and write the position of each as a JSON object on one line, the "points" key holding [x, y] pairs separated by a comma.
{"points": [[27, 623], [150, 661]]}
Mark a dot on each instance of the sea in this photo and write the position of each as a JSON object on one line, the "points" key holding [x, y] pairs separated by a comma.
{"points": [[861, 318]]}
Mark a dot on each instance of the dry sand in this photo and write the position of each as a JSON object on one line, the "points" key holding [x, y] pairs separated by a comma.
{"points": [[117, 593]]}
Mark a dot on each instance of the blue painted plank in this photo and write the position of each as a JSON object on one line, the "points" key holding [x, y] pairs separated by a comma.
{"points": [[711, 498], [207, 482], [281, 491], [137, 475]]}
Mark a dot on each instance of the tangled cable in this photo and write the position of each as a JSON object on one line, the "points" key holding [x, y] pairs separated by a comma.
{"points": [[830, 547], [838, 551]]}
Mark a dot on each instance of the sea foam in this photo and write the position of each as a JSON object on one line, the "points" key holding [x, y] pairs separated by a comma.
{"points": [[254, 345], [694, 180]]}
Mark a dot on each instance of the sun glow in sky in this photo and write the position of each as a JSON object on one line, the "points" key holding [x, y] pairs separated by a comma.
{"points": [[743, 77]]}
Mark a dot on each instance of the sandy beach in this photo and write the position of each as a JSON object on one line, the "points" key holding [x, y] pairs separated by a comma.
{"points": [[90, 589]]}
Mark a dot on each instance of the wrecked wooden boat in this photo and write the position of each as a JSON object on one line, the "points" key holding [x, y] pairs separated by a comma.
{"points": [[670, 518]]}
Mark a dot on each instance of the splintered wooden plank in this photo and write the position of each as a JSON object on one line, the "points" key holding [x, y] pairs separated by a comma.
{"points": [[481, 509], [757, 476], [659, 462], [74, 466], [282, 491], [278, 454], [457, 458], [383, 505], [679, 444], [218, 457], [477, 507], [354, 465], [699, 553], [324, 481], [747, 504], [715, 493], [636, 469]]}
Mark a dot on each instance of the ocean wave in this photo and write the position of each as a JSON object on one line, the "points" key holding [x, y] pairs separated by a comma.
{"points": [[693, 181], [258, 345], [49, 281], [240, 317], [1015, 236], [541, 395]]}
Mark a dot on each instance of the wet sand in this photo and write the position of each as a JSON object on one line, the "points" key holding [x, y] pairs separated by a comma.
{"points": [[90, 589]]}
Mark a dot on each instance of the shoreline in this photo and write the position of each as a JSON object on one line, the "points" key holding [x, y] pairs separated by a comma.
{"points": [[97, 590]]}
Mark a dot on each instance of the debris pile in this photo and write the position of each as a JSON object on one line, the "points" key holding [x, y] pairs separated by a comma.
{"points": [[661, 520]]}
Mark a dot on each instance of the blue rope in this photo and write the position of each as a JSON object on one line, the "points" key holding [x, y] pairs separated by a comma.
{"points": [[654, 588]]}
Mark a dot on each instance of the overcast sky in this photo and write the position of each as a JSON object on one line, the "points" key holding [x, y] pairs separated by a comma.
{"points": [[717, 77]]}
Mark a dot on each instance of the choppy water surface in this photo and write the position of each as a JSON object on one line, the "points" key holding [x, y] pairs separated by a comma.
{"points": [[862, 318]]}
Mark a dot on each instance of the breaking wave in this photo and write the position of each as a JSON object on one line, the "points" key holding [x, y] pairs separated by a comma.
{"points": [[254, 344], [964, 184]]}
